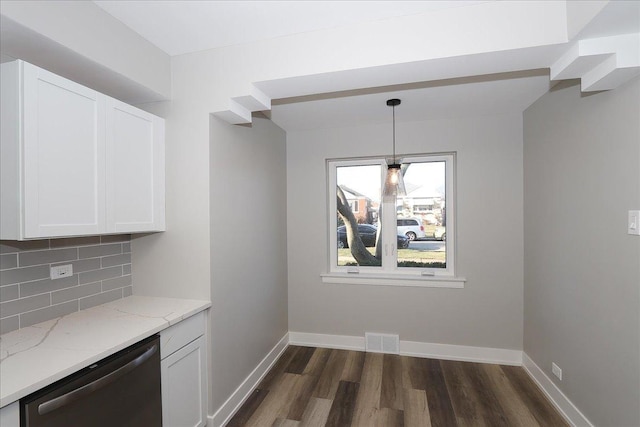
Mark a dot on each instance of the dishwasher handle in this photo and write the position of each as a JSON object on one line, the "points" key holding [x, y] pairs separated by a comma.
{"points": [[72, 396]]}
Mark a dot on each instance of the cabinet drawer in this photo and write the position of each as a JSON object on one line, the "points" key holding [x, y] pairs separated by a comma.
{"points": [[181, 334]]}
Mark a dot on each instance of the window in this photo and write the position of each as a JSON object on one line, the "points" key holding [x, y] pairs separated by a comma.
{"points": [[401, 238]]}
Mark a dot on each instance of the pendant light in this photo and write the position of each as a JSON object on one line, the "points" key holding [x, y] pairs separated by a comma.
{"points": [[393, 183]]}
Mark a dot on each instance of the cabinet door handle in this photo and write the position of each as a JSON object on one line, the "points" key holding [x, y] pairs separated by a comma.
{"points": [[80, 392]]}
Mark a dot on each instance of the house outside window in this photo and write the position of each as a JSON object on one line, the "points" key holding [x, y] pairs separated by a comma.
{"points": [[375, 246]]}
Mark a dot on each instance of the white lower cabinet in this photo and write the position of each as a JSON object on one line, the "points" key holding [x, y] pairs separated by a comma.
{"points": [[10, 415], [183, 368]]}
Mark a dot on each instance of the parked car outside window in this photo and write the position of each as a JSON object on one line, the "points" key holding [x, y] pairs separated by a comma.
{"points": [[368, 235], [411, 227]]}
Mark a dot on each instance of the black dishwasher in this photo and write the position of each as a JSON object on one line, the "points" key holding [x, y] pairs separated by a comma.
{"points": [[122, 390]]}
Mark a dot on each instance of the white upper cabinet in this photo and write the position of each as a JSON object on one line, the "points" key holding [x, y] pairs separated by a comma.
{"points": [[63, 156], [135, 169], [74, 161]]}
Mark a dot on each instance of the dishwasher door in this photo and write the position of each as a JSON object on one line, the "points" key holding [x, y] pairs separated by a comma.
{"points": [[122, 390]]}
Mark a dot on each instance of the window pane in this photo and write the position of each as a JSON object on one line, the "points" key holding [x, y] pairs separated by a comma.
{"points": [[361, 188], [424, 216]]}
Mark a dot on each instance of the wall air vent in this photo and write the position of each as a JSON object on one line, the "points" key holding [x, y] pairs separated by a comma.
{"points": [[382, 343]]}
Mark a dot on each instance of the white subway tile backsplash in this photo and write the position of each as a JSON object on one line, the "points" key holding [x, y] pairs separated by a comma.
{"points": [[101, 273]]}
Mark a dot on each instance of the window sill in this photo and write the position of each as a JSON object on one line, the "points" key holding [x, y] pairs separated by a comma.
{"points": [[394, 280]]}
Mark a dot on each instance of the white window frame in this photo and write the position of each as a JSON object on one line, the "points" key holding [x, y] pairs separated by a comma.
{"points": [[389, 274]]}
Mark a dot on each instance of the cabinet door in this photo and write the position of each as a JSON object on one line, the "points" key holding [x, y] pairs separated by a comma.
{"points": [[184, 394], [135, 169], [10, 415], [63, 149]]}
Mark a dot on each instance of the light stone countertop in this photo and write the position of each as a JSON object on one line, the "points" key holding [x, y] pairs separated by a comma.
{"points": [[39, 355]]}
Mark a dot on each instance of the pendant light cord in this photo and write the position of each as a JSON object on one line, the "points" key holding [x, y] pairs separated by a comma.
{"points": [[394, 133], [392, 103]]}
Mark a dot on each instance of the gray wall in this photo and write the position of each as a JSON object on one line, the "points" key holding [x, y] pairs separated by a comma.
{"points": [[175, 263], [488, 311], [101, 273], [226, 229], [248, 249], [582, 269]]}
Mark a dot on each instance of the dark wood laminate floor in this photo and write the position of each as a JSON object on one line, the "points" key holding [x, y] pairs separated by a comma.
{"points": [[318, 387]]}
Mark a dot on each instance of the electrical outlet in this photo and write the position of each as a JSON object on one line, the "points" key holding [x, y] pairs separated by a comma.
{"points": [[556, 371], [634, 223], [60, 271]]}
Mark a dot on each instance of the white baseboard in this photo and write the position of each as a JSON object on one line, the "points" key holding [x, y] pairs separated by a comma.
{"points": [[557, 397], [238, 397], [500, 356], [342, 342], [412, 348]]}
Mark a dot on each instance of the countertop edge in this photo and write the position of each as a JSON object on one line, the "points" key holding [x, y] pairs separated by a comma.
{"points": [[199, 306]]}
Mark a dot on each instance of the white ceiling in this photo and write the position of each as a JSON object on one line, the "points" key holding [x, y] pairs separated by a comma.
{"points": [[480, 96], [180, 27]]}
